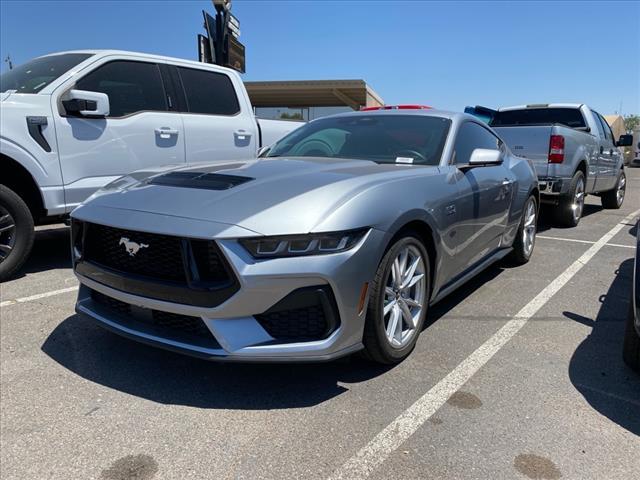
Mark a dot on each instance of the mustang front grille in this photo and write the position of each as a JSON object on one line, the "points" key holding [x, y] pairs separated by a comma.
{"points": [[156, 256], [164, 267]]}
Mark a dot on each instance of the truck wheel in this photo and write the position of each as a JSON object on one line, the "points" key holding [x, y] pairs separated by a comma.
{"points": [[631, 346], [613, 198], [398, 302], [16, 232], [569, 211], [526, 236]]}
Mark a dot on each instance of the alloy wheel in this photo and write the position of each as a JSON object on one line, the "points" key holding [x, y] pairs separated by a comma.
{"points": [[404, 296], [530, 226], [622, 186], [578, 200], [7, 234]]}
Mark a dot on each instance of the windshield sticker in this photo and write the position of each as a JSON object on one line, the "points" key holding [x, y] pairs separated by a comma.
{"points": [[404, 160]]}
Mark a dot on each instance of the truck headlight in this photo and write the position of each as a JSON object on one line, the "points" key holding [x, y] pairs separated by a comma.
{"points": [[300, 245]]}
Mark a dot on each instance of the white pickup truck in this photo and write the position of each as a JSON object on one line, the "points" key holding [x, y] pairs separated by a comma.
{"points": [[72, 122]]}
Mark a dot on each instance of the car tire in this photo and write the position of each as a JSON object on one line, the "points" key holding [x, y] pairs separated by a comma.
{"points": [[569, 211], [614, 198], [525, 240], [16, 232], [383, 343], [631, 345]]}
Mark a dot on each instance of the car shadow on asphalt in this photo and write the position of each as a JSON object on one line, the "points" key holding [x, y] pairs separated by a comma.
{"points": [[51, 251], [165, 377], [100, 356], [546, 221], [596, 368]]}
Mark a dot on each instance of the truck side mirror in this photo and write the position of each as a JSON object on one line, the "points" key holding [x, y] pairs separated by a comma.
{"points": [[625, 141], [84, 103]]}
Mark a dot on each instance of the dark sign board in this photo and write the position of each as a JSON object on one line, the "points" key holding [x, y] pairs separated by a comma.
{"points": [[210, 27], [235, 54], [204, 49]]}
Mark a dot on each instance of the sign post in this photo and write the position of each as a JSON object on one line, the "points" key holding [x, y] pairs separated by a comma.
{"points": [[221, 45]]}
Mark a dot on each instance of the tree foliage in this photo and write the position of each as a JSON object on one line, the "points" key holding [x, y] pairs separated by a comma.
{"points": [[631, 122]]}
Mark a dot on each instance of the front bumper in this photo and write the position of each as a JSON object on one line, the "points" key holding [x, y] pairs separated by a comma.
{"points": [[235, 332]]}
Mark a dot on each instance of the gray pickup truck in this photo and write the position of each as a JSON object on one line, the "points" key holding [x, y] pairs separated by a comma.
{"points": [[572, 148]]}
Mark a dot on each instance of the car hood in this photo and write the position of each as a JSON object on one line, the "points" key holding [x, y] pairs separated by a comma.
{"points": [[267, 196]]}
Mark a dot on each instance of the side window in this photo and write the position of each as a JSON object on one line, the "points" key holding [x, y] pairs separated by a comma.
{"points": [[596, 115], [607, 129], [207, 92], [603, 127], [131, 86], [472, 136]]}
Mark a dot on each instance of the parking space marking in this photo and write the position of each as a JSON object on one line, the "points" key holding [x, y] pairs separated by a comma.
{"points": [[31, 298], [372, 455], [575, 240]]}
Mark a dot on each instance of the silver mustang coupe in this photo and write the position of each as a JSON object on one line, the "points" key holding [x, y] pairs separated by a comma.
{"points": [[339, 238]]}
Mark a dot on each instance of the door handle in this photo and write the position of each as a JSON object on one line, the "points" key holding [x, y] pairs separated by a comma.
{"points": [[242, 134], [166, 132]]}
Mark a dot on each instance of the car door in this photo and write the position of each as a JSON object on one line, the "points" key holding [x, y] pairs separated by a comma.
{"points": [[484, 196], [608, 157], [139, 131], [218, 125]]}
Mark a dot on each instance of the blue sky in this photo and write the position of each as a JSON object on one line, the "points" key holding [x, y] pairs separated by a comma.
{"points": [[443, 54]]}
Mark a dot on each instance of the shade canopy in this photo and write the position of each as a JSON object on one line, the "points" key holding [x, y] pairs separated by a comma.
{"points": [[313, 93]]}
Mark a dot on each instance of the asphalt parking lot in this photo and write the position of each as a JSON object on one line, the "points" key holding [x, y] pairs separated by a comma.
{"points": [[517, 375]]}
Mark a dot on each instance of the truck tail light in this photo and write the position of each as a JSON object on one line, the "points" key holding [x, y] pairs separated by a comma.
{"points": [[556, 149]]}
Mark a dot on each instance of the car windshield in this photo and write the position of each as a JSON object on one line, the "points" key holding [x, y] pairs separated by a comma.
{"points": [[571, 117], [410, 139], [33, 76]]}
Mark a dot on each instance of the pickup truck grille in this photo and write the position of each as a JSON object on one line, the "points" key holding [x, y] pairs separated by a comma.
{"points": [[165, 267]]}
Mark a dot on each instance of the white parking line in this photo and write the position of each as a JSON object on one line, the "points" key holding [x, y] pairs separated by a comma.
{"points": [[397, 432], [575, 240], [31, 298]]}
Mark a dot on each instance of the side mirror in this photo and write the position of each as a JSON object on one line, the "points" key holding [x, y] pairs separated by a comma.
{"points": [[625, 141], [482, 157], [86, 104]]}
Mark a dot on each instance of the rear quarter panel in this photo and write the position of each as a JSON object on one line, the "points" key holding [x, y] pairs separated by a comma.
{"points": [[578, 146]]}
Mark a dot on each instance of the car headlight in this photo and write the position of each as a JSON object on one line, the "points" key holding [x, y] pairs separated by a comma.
{"points": [[299, 245]]}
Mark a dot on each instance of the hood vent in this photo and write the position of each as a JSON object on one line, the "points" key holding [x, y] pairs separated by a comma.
{"points": [[207, 181]]}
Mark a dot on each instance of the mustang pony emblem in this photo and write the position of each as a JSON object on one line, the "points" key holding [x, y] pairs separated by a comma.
{"points": [[131, 247]]}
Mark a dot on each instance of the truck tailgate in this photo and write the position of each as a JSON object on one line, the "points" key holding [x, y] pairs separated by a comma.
{"points": [[530, 142]]}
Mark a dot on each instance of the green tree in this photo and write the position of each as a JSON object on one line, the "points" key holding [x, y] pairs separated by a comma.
{"points": [[631, 122]]}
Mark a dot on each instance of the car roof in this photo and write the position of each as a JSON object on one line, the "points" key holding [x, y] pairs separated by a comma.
{"points": [[149, 56], [541, 105], [454, 116]]}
